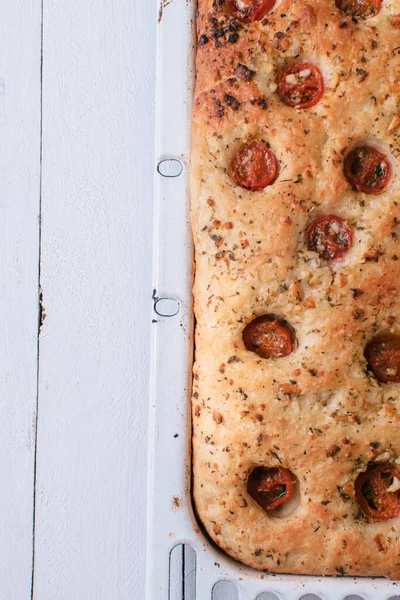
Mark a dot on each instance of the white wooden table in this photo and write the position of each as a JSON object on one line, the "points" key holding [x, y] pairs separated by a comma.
{"points": [[76, 169]]}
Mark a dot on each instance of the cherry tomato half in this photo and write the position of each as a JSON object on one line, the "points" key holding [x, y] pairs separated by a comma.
{"points": [[330, 236], [367, 170], [372, 491], [270, 487], [359, 8], [251, 10], [254, 166], [268, 337], [300, 85], [383, 357]]}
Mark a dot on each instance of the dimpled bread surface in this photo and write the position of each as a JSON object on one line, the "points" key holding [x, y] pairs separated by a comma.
{"points": [[251, 258]]}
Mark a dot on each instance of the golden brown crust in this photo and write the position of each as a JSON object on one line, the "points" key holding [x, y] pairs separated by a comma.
{"points": [[251, 259]]}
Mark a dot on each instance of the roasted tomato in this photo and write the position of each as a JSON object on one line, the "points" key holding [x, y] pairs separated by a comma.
{"points": [[378, 491], [300, 85], [359, 8], [383, 357], [251, 10], [367, 170], [254, 166], [330, 236], [268, 337], [270, 487]]}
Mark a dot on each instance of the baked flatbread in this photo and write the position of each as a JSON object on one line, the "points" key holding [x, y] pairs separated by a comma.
{"points": [[295, 215]]}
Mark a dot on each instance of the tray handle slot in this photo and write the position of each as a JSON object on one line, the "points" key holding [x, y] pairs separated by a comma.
{"points": [[170, 167], [182, 573], [167, 307], [225, 590]]}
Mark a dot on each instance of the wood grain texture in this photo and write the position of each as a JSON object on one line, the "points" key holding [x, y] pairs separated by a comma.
{"points": [[98, 90], [19, 259]]}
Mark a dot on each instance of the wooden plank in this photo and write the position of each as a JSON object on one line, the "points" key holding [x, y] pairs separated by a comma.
{"points": [[20, 59], [96, 250]]}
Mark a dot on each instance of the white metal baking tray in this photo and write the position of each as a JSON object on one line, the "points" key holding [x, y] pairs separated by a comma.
{"points": [[174, 571]]}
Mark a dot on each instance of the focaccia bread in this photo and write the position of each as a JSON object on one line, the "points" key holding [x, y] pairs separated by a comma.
{"points": [[296, 222]]}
